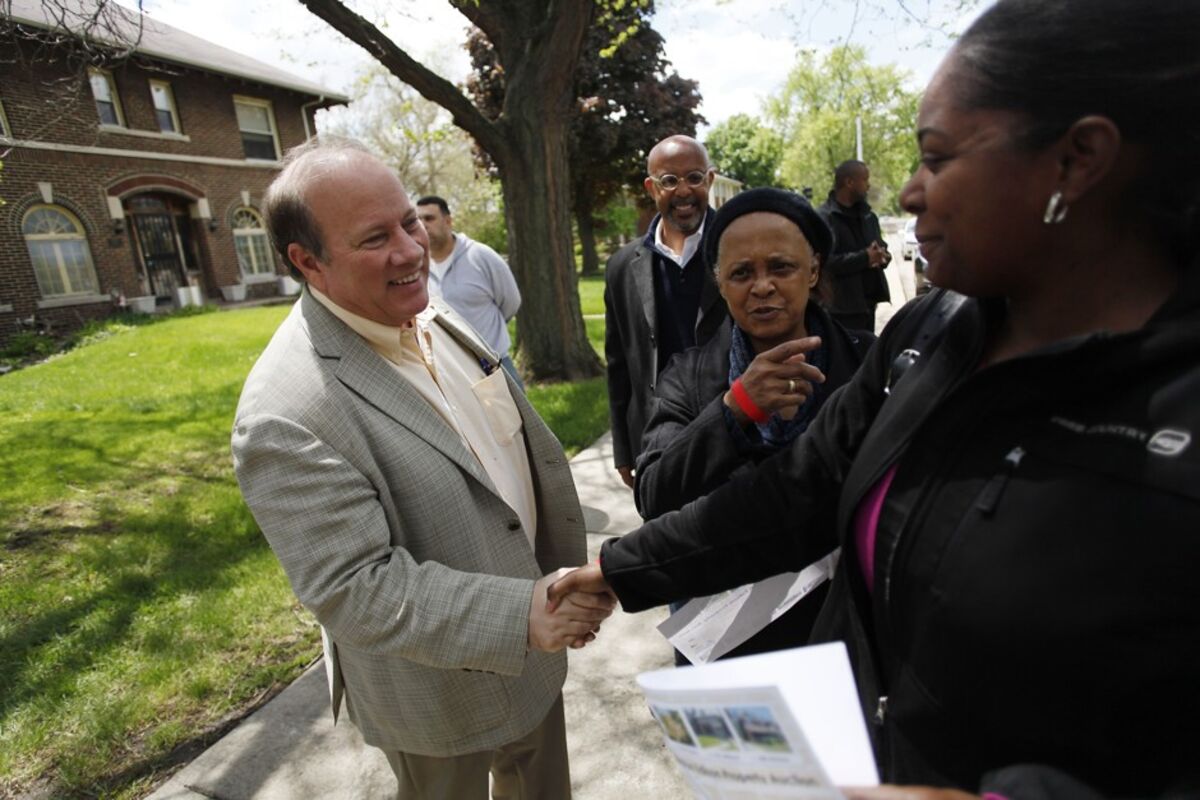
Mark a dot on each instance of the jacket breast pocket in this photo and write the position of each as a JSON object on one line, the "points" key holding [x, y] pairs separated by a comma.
{"points": [[502, 414]]}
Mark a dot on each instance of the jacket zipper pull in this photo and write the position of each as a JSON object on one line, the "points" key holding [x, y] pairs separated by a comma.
{"points": [[881, 711], [989, 498], [900, 365]]}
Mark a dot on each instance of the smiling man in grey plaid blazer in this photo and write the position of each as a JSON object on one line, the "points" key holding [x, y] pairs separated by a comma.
{"points": [[415, 500]]}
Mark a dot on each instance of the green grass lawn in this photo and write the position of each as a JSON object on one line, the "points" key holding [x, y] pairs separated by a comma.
{"points": [[576, 412], [139, 604], [591, 294]]}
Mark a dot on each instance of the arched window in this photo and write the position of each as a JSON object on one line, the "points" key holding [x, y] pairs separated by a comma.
{"points": [[59, 250], [251, 242]]}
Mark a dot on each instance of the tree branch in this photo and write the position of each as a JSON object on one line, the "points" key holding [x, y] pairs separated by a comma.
{"points": [[490, 17], [431, 85]]}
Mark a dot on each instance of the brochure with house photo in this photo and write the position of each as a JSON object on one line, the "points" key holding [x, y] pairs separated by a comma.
{"points": [[778, 725]]}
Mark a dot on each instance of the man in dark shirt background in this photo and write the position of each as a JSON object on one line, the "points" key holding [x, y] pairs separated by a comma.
{"points": [[659, 299], [859, 252]]}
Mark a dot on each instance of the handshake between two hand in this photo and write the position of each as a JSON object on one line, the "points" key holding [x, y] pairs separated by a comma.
{"points": [[566, 611], [567, 608]]}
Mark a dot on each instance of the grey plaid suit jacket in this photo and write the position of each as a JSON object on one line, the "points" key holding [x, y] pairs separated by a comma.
{"points": [[393, 535]]}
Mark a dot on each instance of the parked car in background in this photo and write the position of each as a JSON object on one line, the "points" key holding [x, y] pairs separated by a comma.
{"points": [[909, 248], [919, 267]]}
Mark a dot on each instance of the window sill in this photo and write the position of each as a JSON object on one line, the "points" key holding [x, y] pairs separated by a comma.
{"points": [[5, 308], [120, 129], [266, 162], [74, 300], [262, 277]]}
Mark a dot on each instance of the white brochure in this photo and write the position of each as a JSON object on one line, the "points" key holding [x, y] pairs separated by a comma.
{"points": [[709, 627], [777, 725]]}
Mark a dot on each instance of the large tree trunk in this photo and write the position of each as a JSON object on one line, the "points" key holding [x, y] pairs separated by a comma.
{"points": [[587, 233], [532, 155], [550, 329]]}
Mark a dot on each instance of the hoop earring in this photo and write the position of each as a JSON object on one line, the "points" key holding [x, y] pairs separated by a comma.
{"points": [[1056, 209]]}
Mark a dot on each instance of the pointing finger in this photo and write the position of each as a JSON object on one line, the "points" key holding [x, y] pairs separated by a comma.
{"points": [[782, 352]]}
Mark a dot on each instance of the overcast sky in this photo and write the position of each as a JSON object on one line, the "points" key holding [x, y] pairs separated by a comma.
{"points": [[739, 50]]}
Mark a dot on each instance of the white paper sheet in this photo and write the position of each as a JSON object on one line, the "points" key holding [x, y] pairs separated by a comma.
{"points": [[709, 627], [785, 724]]}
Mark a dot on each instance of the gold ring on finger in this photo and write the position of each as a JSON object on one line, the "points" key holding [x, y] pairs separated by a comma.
{"points": [[791, 386]]}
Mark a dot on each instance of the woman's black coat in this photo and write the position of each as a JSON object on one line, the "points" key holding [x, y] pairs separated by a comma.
{"points": [[688, 449], [1035, 599]]}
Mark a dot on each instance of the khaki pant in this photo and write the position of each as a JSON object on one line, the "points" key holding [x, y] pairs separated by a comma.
{"points": [[533, 767]]}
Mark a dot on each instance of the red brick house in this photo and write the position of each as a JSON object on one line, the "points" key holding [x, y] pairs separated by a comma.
{"points": [[139, 184]]}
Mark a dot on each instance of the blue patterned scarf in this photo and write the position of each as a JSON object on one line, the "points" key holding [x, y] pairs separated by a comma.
{"points": [[777, 431]]}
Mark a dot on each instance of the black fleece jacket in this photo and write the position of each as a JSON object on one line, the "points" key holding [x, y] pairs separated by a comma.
{"points": [[857, 287], [1035, 598], [688, 449]]}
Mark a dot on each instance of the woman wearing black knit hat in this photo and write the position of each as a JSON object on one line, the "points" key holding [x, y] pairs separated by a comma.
{"points": [[755, 386]]}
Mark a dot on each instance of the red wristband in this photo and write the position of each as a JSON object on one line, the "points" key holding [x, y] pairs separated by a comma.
{"points": [[748, 406]]}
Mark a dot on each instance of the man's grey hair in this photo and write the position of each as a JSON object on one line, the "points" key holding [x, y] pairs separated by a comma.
{"points": [[285, 206]]}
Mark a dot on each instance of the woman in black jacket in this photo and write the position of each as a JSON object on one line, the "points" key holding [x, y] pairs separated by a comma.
{"points": [[1015, 470], [765, 247]]}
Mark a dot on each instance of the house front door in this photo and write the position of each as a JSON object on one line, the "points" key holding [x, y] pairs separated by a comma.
{"points": [[158, 243]]}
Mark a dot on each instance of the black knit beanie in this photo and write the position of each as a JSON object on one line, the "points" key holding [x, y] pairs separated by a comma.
{"points": [[777, 201]]}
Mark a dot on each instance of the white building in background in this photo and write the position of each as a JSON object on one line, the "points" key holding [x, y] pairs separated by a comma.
{"points": [[722, 189]]}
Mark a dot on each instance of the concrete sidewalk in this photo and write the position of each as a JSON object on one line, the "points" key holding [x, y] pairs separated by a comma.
{"points": [[289, 749]]}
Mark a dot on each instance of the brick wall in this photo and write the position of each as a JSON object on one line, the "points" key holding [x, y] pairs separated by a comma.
{"points": [[43, 104]]}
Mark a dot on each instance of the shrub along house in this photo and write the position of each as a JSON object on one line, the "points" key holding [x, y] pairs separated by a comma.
{"points": [[138, 184]]}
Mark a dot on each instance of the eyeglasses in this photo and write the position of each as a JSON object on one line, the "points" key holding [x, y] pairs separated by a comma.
{"points": [[694, 179]]}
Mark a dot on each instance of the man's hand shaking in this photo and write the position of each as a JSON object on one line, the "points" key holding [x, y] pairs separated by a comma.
{"points": [[569, 617]]}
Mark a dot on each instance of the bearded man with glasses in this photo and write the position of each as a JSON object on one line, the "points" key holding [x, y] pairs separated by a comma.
{"points": [[659, 298]]}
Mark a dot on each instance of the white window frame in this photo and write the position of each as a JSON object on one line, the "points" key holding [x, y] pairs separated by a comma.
{"points": [[5, 128], [172, 109], [253, 275], [96, 72], [80, 235], [255, 101]]}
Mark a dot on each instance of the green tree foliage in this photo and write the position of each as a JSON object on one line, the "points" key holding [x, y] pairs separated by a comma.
{"points": [[815, 113], [627, 98], [430, 154], [744, 149]]}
